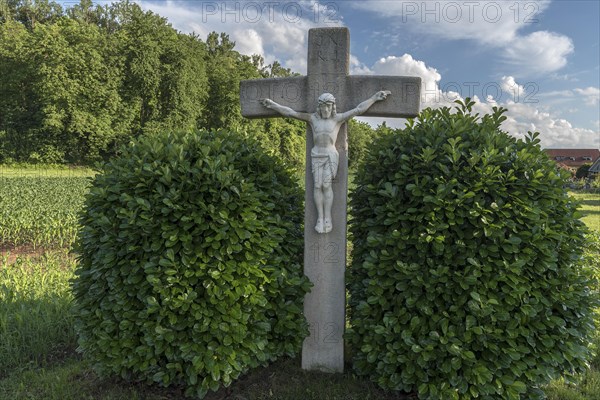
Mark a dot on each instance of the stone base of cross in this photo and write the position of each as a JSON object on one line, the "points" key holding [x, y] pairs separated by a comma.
{"points": [[325, 253]]}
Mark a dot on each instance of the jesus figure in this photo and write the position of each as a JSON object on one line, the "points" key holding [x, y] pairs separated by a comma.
{"points": [[325, 125]]}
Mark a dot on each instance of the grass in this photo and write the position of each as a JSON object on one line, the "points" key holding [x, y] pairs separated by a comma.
{"points": [[75, 380], [38, 358], [36, 327], [586, 388], [590, 209], [284, 380]]}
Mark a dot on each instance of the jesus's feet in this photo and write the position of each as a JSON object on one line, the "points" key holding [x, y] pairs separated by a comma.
{"points": [[328, 225], [319, 227]]}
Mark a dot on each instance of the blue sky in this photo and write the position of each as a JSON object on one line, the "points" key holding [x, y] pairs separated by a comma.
{"points": [[540, 59]]}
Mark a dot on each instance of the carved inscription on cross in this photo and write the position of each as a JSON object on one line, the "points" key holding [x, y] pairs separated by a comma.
{"points": [[325, 251]]}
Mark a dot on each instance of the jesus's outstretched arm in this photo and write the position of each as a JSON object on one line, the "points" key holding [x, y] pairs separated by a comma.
{"points": [[285, 111], [364, 106]]}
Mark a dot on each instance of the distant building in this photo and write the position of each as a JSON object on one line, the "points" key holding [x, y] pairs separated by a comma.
{"points": [[573, 158], [595, 168], [571, 170]]}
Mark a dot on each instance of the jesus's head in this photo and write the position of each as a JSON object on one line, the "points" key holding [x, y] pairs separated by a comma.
{"points": [[326, 106]]}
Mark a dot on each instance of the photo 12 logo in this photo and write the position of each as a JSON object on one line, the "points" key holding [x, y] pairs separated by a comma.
{"points": [[271, 11], [513, 92], [469, 11]]}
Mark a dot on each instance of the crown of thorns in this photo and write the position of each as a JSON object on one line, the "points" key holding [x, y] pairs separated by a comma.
{"points": [[326, 98]]}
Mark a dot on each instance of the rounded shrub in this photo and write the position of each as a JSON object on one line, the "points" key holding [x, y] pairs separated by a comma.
{"points": [[190, 262], [467, 279]]}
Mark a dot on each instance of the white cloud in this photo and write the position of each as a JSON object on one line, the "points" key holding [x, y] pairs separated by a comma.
{"points": [[495, 24], [406, 65], [509, 85], [358, 68], [564, 77], [281, 34], [249, 42], [591, 95], [539, 52], [489, 22], [275, 30], [521, 117], [554, 131]]}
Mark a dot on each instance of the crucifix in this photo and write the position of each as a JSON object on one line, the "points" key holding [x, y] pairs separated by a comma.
{"points": [[314, 98]]}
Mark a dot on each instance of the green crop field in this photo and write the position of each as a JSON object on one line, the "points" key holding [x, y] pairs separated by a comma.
{"points": [[40, 210], [37, 338], [42, 171]]}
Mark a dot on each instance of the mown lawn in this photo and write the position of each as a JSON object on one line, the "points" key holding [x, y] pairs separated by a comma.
{"points": [[38, 358], [590, 209]]}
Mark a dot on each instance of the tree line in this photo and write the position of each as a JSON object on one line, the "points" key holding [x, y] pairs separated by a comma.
{"points": [[78, 83]]}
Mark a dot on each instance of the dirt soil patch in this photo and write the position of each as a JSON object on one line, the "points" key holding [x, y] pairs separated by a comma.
{"points": [[10, 253]]}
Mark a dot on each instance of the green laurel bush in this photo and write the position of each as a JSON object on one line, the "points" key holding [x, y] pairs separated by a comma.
{"points": [[468, 278], [190, 262]]}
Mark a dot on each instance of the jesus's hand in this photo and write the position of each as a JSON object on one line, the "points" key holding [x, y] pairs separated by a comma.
{"points": [[267, 102], [382, 95]]}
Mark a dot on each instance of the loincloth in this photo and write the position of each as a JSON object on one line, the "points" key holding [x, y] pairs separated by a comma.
{"points": [[327, 161]]}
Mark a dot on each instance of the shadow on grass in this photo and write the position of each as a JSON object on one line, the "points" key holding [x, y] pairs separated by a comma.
{"points": [[590, 202], [36, 325], [283, 380], [587, 213], [37, 358], [74, 379], [34, 333]]}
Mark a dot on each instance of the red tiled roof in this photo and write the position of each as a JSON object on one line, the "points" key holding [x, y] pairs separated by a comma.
{"points": [[573, 157]]}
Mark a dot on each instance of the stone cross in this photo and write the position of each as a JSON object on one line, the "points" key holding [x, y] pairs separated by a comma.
{"points": [[325, 252]]}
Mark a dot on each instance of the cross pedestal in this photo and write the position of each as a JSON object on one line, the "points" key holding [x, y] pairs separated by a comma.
{"points": [[325, 253]]}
